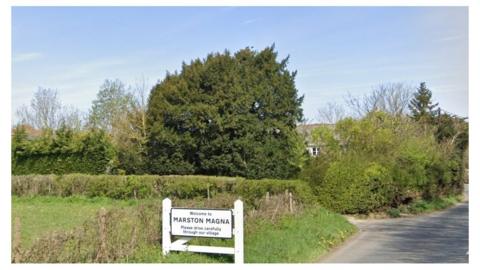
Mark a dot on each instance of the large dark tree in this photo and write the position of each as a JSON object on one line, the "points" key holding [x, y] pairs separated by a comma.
{"points": [[227, 115], [421, 106]]}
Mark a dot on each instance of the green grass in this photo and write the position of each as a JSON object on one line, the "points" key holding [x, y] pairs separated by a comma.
{"points": [[41, 215], [153, 254], [424, 206], [297, 238], [294, 239]]}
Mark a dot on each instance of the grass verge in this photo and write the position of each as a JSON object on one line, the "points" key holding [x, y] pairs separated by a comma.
{"points": [[424, 206], [300, 237], [296, 239]]}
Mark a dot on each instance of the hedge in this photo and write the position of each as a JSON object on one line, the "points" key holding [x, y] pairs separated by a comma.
{"points": [[154, 186], [62, 151], [352, 185]]}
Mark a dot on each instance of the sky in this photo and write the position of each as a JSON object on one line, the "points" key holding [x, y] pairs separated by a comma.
{"points": [[335, 50]]}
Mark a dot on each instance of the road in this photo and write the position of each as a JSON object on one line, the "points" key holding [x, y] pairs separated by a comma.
{"points": [[440, 237]]}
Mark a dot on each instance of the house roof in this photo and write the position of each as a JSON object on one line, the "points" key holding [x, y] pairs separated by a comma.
{"points": [[306, 130], [31, 132]]}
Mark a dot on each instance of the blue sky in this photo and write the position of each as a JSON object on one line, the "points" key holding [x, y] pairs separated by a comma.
{"points": [[335, 50]]}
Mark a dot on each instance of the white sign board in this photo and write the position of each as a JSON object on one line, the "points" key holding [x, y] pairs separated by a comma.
{"points": [[216, 223]]}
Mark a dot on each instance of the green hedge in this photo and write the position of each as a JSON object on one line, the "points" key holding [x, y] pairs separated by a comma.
{"points": [[352, 185], [154, 186], [62, 151]]}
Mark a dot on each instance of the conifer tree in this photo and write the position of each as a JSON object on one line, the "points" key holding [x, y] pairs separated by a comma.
{"points": [[226, 114], [421, 106]]}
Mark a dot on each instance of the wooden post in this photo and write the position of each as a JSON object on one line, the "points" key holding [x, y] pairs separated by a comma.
{"points": [[267, 196], [166, 241], [208, 192], [102, 254], [238, 214], [17, 254], [290, 202]]}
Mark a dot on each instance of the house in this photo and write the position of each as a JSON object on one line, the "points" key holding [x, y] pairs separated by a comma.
{"points": [[305, 130]]}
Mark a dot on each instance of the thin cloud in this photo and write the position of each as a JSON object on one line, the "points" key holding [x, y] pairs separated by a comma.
{"points": [[249, 21], [25, 57], [449, 38]]}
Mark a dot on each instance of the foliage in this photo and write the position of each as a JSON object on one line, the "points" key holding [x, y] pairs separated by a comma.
{"points": [[111, 104], [232, 115], [352, 185], [153, 186], [394, 212], [421, 105], [452, 133], [61, 151], [381, 160], [121, 114]]}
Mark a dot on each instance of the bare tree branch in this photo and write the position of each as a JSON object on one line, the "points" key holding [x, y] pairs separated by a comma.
{"points": [[331, 113], [389, 97]]}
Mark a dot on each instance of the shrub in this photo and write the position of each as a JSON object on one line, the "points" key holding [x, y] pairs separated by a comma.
{"points": [[393, 212], [252, 189], [154, 186], [381, 161], [353, 185]]}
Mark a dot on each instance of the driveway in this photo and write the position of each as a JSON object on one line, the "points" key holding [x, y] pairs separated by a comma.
{"points": [[440, 237]]}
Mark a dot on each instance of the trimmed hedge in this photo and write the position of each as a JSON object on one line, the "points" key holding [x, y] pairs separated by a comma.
{"points": [[154, 186], [62, 151]]}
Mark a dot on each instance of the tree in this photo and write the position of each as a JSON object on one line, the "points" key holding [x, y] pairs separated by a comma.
{"points": [[130, 132], [121, 112], [331, 113], [421, 106], [44, 109], [112, 103], [71, 117], [392, 98], [226, 115], [452, 129], [47, 112]]}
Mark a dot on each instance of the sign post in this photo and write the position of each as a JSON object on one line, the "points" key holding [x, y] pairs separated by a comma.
{"points": [[187, 223], [238, 212], [166, 206]]}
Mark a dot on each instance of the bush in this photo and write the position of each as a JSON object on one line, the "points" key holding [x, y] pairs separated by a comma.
{"points": [[393, 212], [353, 185], [153, 186], [381, 161]]}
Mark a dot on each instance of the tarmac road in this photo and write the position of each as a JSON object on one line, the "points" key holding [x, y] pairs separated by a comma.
{"points": [[440, 237]]}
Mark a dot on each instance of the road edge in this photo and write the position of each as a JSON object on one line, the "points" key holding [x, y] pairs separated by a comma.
{"points": [[338, 246]]}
